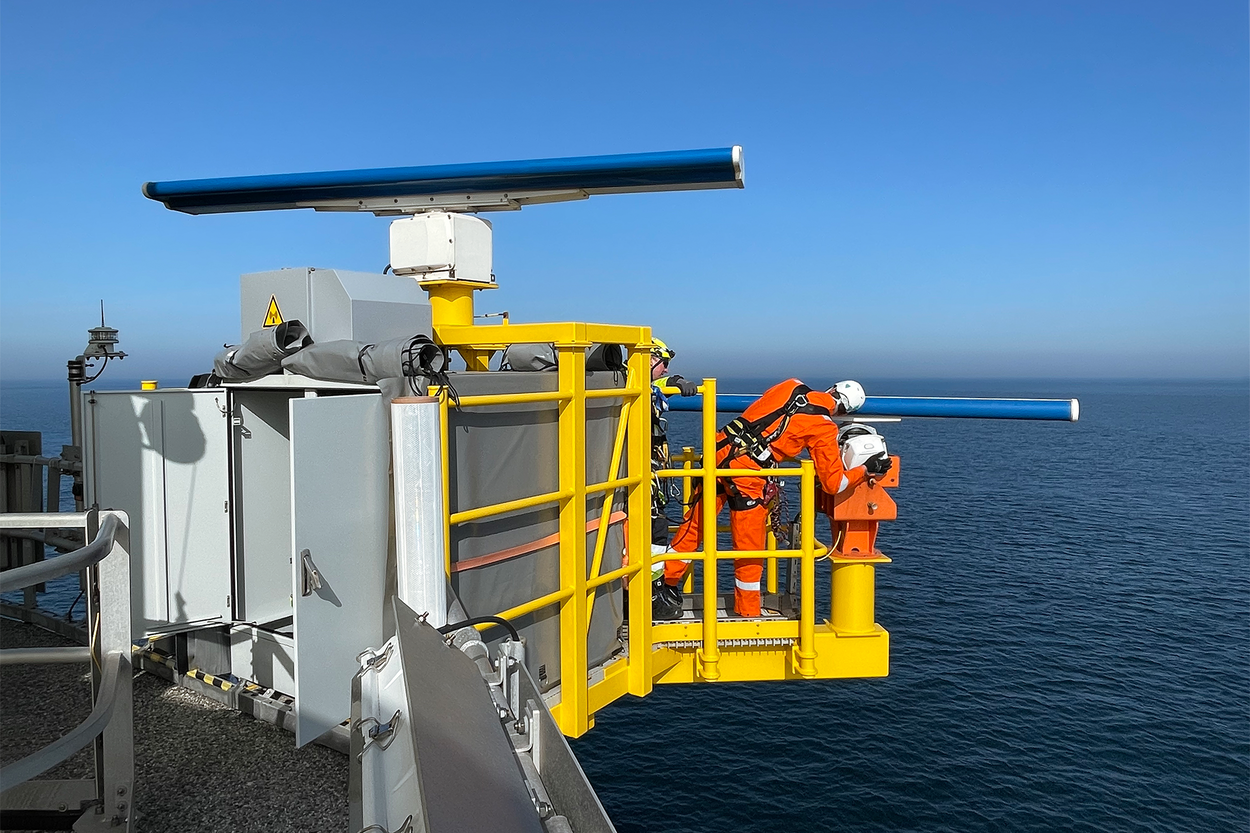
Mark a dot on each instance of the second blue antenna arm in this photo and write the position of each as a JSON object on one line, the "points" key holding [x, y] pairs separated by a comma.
{"points": [[1064, 410]]}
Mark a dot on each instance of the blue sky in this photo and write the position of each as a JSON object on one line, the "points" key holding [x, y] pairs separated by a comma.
{"points": [[950, 190]]}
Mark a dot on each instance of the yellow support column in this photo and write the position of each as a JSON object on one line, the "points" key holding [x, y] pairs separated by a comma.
{"points": [[687, 584], [805, 654], [709, 654], [854, 596], [641, 660], [573, 714], [451, 302]]}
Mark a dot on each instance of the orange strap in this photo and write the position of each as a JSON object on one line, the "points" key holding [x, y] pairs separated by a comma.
{"points": [[526, 549]]}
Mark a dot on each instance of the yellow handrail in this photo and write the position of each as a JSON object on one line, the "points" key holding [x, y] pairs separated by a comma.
{"points": [[620, 572], [483, 399], [536, 604], [632, 480], [508, 506]]}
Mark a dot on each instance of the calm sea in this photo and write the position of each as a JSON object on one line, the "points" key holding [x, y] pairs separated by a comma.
{"points": [[1069, 608]]}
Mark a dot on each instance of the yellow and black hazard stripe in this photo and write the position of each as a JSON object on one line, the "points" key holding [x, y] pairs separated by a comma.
{"points": [[247, 686], [257, 690], [153, 655], [218, 682]]}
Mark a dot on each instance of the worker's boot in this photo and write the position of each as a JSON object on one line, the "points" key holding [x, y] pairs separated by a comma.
{"points": [[665, 601]]}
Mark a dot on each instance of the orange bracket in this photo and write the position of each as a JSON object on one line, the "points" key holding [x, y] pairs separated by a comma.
{"points": [[855, 513]]}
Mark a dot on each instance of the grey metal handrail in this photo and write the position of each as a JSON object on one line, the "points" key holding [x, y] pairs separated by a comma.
{"points": [[44, 656], [105, 565], [71, 562], [84, 733], [42, 520]]}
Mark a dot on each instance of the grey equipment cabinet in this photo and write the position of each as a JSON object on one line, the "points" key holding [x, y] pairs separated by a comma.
{"points": [[266, 509], [163, 457]]}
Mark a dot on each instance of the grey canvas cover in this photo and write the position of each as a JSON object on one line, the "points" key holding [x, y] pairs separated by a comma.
{"points": [[501, 453], [542, 356], [263, 351], [385, 364], [528, 357]]}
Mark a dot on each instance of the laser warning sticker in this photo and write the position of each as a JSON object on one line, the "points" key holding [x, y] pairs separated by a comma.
{"points": [[274, 315]]}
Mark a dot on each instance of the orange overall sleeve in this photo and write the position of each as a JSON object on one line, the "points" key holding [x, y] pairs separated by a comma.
{"points": [[819, 435]]}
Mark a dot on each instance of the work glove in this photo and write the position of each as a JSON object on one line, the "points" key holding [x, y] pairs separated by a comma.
{"points": [[878, 464], [684, 386]]}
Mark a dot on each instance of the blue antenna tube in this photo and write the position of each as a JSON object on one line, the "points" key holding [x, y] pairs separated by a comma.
{"points": [[1066, 410], [617, 174]]}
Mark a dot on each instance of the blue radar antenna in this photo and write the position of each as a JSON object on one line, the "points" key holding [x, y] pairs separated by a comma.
{"points": [[473, 187]]}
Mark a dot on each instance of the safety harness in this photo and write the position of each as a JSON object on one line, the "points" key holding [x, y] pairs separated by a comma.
{"points": [[752, 438]]}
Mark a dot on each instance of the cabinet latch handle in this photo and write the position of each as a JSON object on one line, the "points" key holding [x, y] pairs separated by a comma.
{"points": [[311, 578]]}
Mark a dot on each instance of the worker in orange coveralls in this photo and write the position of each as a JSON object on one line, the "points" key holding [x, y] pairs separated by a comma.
{"points": [[788, 419]]}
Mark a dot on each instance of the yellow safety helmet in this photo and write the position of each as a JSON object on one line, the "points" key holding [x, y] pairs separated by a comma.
{"points": [[662, 351]]}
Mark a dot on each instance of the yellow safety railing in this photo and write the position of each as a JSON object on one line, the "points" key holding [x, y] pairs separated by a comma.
{"points": [[765, 649], [709, 654], [578, 581], [846, 644]]}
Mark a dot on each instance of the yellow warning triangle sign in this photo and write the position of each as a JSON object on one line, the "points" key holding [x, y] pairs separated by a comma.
{"points": [[274, 316]]}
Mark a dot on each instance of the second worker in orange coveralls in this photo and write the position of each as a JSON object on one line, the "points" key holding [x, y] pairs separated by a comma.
{"points": [[788, 419]]}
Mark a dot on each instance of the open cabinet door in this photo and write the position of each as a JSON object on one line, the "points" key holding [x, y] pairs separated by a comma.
{"points": [[340, 511]]}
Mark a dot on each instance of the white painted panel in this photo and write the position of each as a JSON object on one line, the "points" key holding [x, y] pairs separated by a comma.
{"points": [[197, 510], [419, 516], [161, 457], [125, 470], [340, 494]]}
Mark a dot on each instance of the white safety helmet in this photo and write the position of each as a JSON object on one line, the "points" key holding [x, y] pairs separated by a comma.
{"points": [[850, 394]]}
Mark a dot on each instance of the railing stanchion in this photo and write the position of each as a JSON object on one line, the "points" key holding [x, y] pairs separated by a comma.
{"points": [[771, 545], [709, 655], [688, 458], [806, 654], [571, 360]]}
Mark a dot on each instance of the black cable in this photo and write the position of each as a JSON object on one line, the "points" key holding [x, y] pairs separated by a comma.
{"points": [[97, 375], [69, 614], [423, 358], [481, 620]]}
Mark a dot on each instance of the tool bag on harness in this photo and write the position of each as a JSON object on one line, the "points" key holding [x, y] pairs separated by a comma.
{"points": [[754, 438]]}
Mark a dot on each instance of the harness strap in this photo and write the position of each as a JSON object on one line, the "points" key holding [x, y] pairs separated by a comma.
{"points": [[747, 437]]}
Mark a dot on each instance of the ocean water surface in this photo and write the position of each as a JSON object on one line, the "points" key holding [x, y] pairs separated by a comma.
{"points": [[1069, 608]]}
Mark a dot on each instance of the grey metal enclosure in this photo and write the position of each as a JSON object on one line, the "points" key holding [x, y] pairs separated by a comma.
{"points": [[263, 509]]}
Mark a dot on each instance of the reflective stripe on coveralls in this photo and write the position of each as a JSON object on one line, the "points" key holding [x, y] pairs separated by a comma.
{"points": [[789, 432]]}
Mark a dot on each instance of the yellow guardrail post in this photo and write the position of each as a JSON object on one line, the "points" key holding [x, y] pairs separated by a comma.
{"points": [[687, 453], [638, 545], [574, 717], [805, 655], [709, 654], [771, 545], [444, 432]]}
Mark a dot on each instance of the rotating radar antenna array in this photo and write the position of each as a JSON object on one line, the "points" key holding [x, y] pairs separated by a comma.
{"points": [[435, 241]]}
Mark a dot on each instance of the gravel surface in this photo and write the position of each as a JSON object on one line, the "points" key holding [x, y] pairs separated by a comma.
{"points": [[198, 764]]}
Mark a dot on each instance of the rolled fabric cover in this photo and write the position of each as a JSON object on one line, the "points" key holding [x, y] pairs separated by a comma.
{"points": [[332, 361], [415, 356], [529, 357], [606, 357], [263, 351], [401, 365], [542, 356]]}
